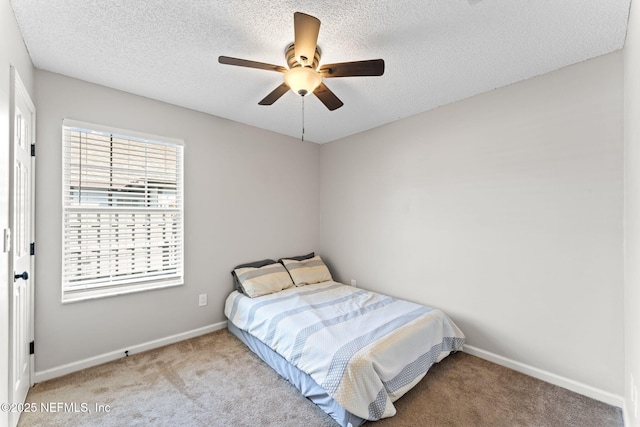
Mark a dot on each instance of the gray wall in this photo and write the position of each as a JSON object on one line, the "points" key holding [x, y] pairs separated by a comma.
{"points": [[505, 210], [632, 215], [249, 194], [12, 53]]}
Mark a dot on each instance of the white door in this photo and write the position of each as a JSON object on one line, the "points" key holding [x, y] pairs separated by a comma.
{"points": [[21, 217]]}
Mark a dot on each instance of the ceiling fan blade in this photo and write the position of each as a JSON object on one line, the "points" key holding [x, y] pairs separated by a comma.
{"points": [[372, 67], [328, 98], [250, 64], [306, 29], [275, 95]]}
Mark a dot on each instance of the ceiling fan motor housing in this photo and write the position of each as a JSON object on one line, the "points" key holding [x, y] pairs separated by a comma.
{"points": [[292, 61]]}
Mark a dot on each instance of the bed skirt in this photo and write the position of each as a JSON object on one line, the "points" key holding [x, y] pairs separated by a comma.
{"points": [[302, 381]]}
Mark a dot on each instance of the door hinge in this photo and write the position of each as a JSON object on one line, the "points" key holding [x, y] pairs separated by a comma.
{"points": [[32, 249], [32, 347], [33, 150]]}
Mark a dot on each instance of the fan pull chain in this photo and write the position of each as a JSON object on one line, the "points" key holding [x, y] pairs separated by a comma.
{"points": [[302, 138]]}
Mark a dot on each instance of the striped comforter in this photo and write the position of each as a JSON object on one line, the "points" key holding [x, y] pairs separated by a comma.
{"points": [[365, 349]]}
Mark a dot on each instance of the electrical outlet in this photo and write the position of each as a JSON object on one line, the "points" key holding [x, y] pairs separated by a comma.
{"points": [[353, 283], [202, 300]]}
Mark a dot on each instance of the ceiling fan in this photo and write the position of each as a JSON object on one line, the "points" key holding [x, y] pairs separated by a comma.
{"points": [[304, 75]]}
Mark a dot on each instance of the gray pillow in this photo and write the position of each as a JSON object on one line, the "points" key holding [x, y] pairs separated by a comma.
{"points": [[298, 258]]}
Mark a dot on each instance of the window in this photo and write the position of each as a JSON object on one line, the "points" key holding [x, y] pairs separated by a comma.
{"points": [[122, 212]]}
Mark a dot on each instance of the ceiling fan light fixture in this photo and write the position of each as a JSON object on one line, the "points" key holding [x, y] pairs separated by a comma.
{"points": [[302, 80]]}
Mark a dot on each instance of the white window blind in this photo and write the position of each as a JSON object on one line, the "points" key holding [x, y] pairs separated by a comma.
{"points": [[122, 212]]}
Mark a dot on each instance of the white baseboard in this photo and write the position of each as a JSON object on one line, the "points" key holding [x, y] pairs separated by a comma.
{"points": [[59, 371], [625, 414], [578, 387]]}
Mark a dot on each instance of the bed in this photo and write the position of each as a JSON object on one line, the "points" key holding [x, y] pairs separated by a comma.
{"points": [[351, 351]]}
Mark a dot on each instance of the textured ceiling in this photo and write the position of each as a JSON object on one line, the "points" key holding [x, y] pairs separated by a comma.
{"points": [[436, 51]]}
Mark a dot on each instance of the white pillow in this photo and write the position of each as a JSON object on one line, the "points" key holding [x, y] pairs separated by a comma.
{"points": [[264, 280], [308, 271]]}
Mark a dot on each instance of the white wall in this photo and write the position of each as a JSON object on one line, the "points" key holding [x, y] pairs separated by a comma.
{"points": [[632, 213], [12, 53], [505, 210], [249, 194]]}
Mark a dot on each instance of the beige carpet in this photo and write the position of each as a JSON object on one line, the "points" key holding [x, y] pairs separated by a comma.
{"points": [[214, 380]]}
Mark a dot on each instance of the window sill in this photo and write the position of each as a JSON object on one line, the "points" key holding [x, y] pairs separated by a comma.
{"points": [[93, 294]]}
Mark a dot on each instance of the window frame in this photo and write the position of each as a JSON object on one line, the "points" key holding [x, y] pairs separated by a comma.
{"points": [[110, 287]]}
